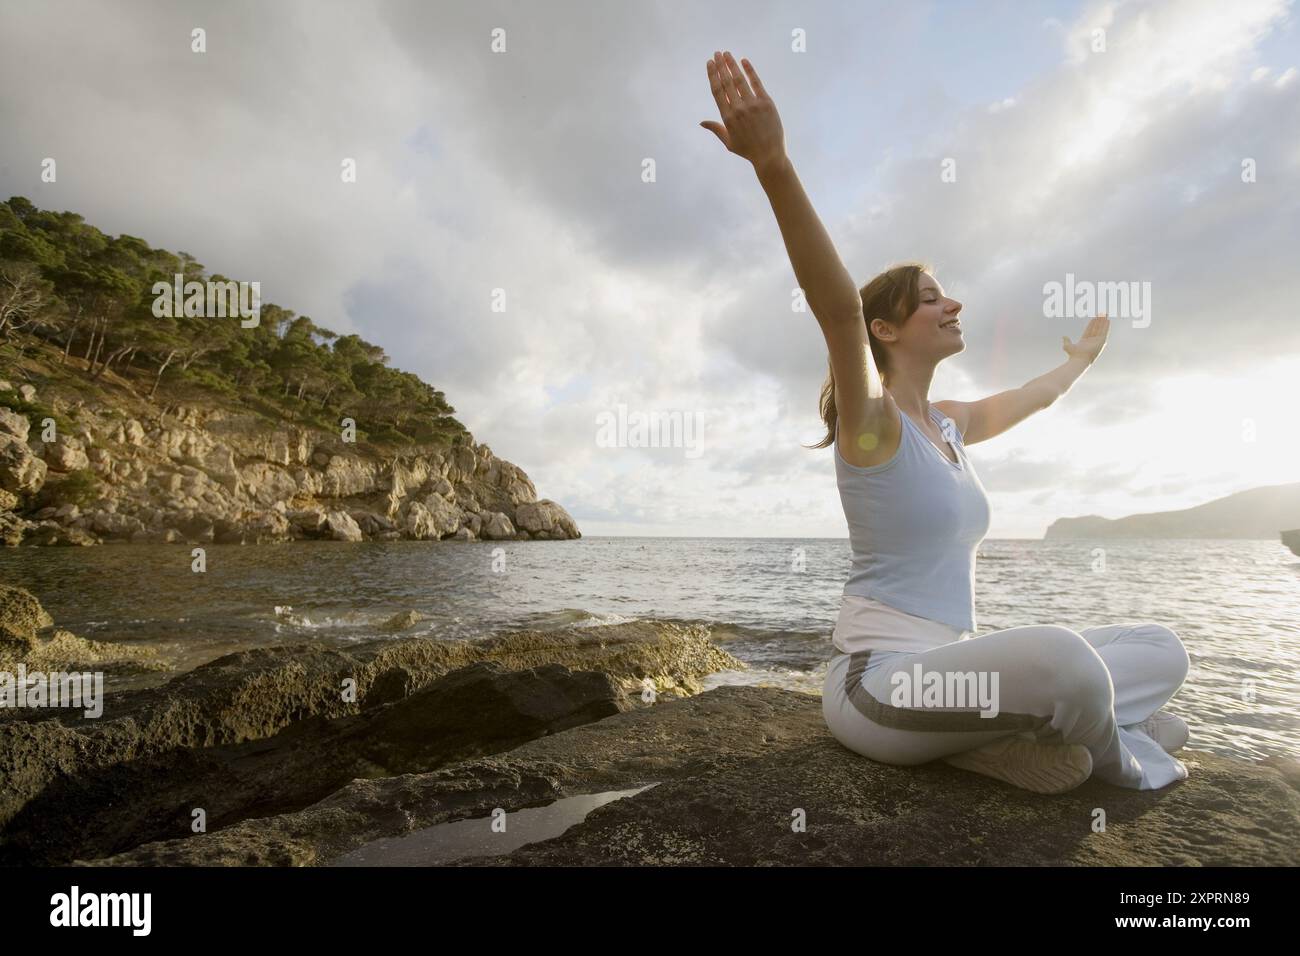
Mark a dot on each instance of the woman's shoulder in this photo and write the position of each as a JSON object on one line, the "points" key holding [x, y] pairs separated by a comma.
{"points": [[870, 462], [957, 412]]}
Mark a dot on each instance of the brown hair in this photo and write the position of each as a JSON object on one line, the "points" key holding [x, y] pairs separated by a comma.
{"points": [[892, 297]]}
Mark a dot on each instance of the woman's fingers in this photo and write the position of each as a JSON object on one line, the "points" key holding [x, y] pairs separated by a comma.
{"points": [[753, 78], [738, 78], [728, 81], [719, 91]]}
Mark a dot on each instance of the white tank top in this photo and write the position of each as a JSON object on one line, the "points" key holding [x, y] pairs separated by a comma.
{"points": [[915, 522]]}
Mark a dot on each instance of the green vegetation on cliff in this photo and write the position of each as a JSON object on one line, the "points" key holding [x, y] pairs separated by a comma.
{"points": [[83, 303]]}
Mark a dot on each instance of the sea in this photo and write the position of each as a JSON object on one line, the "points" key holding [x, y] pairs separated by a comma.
{"points": [[770, 602]]}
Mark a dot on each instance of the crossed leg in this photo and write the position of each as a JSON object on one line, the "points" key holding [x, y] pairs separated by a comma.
{"points": [[1089, 687], [1147, 664]]}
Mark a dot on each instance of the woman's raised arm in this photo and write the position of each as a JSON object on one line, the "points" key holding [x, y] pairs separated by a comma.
{"points": [[751, 128]]}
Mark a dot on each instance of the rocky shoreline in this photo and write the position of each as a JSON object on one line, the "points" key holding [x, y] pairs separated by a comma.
{"points": [[207, 475], [300, 755]]}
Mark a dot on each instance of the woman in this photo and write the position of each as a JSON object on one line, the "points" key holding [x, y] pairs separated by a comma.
{"points": [[1041, 707]]}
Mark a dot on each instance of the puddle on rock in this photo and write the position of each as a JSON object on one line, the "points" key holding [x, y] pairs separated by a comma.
{"points": [[445, 842]]}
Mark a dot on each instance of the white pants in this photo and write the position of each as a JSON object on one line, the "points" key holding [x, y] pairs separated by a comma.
{"points": [[1090, 688]]}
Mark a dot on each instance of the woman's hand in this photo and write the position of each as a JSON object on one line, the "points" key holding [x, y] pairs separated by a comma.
{"points": [[752, 127], [1091, 342]]}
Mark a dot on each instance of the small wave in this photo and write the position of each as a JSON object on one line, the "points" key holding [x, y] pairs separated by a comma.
{"points": [[571, 617], [284, 614], [730, 631], [599, 620]]}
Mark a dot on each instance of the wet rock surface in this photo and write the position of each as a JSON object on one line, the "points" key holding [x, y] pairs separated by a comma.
{"points": [[301, 755], [736, 767], [271, 730]]}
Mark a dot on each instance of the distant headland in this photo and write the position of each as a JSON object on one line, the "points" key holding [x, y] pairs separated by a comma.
{"points": [[1257, 513]]}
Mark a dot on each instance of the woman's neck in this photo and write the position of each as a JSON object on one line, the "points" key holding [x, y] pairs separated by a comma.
{"points": [[909, 385]]}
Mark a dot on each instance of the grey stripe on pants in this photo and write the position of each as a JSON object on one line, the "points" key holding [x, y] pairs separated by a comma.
{"points": [[927, 718]]}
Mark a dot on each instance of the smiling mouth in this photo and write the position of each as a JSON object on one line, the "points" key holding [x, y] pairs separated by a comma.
{"points": [[951, 324]]}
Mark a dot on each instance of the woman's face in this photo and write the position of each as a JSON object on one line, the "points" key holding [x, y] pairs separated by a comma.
{"points": [[933, 330]]}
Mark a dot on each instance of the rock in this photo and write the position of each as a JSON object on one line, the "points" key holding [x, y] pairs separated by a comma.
{"points": [[219, 464], [372, 524], [728, 769], [266, 526], [28, 392], [50, 534], [546, 515], [478, 708], [192, 524], [185, 445], [402, 620], [419, 523], [100, 461], [308, 480], [444, 515], [213, 475], [158, 536], [722, 812], [464, 534], [14, 425], [21, 616], [345, 477], [462, 464], [211, 732], [64, 651], [402, 478], [113, 525], [66, 454], [21, 472], [310, 521], [12, 529], [227, 530], [339, 526], [266, 484], [497, 527]]}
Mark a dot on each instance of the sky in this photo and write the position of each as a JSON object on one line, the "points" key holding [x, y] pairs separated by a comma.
{"points": [[503, 239]]}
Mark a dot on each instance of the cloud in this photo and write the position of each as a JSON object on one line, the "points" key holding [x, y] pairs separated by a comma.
{"points": [[522, 171]]}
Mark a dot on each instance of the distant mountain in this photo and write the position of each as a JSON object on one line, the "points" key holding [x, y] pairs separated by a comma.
{"points": [[1257, 513]]}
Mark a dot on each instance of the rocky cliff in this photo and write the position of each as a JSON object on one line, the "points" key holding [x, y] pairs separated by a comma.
{"points": [[200, 474]]}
